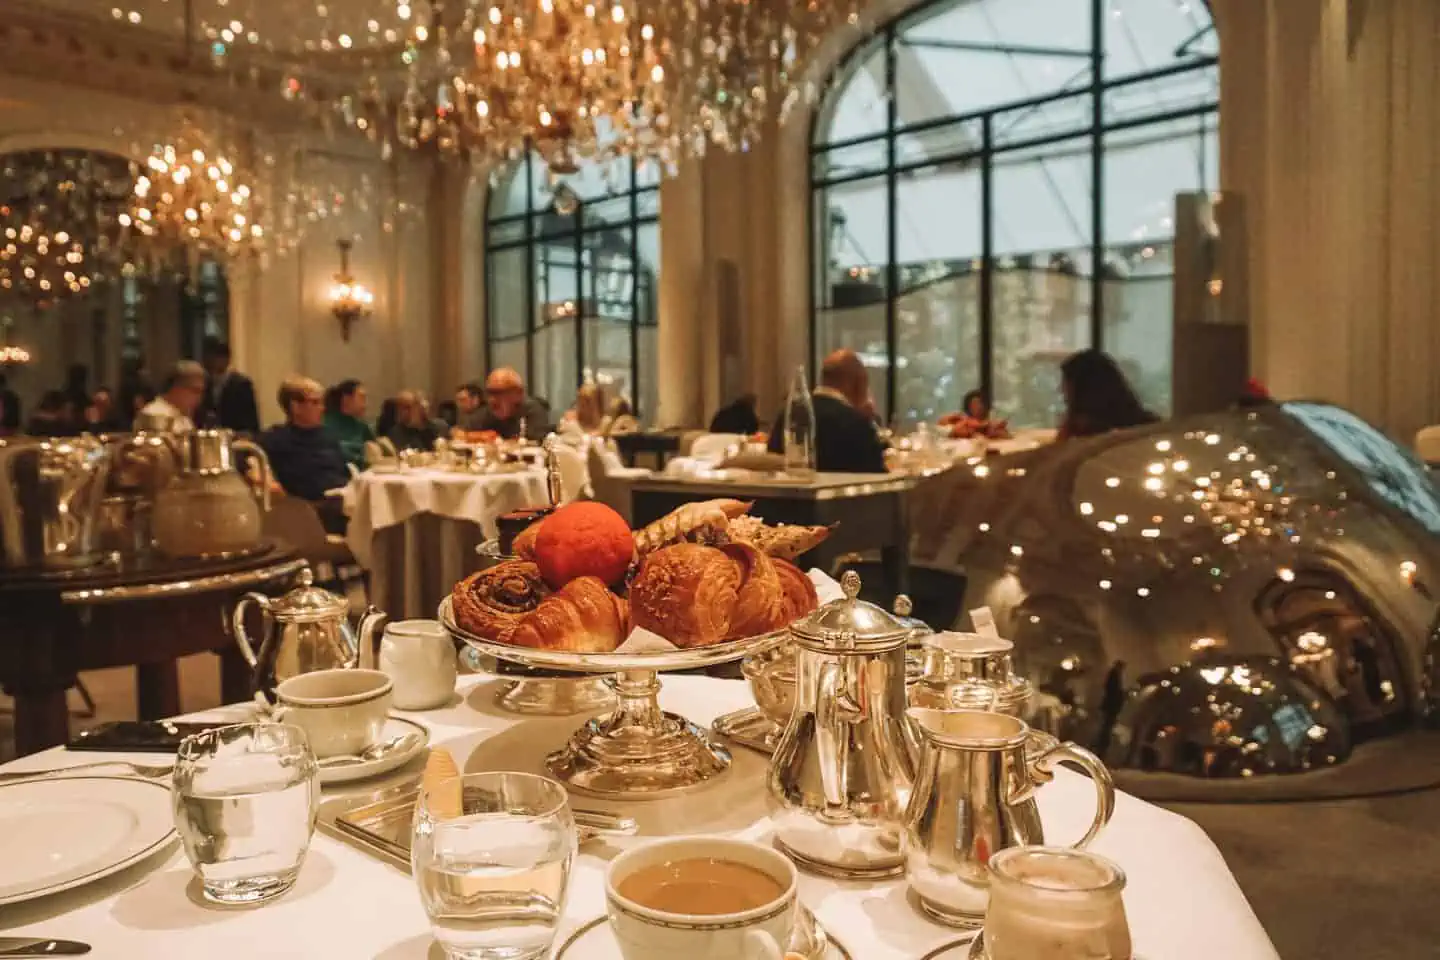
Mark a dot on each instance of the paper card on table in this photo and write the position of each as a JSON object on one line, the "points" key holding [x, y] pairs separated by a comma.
{"points": [[827, 588], [984, 621], [645, 641]]}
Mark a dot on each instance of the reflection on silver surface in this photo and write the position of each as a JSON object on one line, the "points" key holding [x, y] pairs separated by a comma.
{"points": [[1291, 542]]}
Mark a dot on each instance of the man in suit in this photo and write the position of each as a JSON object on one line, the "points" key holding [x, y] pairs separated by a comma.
{"points": [[229, 396], [845, 437]]}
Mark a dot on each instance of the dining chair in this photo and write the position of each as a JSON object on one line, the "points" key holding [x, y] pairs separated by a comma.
{"points": [[1427, 446]]}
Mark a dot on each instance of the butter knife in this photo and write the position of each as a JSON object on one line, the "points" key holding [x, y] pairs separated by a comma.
{"points": [[41, 947]]}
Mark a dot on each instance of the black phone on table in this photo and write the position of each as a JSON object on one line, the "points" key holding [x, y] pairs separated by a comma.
{"points": [[138, 736]]}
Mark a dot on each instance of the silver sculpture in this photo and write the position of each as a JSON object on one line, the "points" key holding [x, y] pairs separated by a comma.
{"points": [[1224, 595]]}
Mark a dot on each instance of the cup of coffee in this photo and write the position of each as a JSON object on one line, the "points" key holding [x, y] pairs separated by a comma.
{"points": [[341, 711], [701, 898]]}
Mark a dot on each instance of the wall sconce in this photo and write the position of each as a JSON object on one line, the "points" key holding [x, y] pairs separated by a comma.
{"points": [[349, 301], [12, 356]]}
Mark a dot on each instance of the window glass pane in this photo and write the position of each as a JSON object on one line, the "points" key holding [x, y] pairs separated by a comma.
{"points": [[508, 353], [1177, 91], [952, 141], [1144, 35], [937, 316], [837, 162], [856, 104], [1041, 297], [556, 376], [648, 293], [1068, 114], [505, 289], [507, 193], [851, 223], [1144, 169], [505, 231]]}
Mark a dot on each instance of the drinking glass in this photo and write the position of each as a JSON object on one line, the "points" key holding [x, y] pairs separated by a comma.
{"points": [[245, 799], [1054, 903], [491, 854]]}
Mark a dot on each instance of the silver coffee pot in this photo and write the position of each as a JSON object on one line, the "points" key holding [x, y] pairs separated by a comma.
{"points": [[974, 796], [969, 671], [307, 629], [840, 777], [51, 490]]}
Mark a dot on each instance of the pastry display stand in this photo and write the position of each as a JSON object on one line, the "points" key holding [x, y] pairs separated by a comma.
{"points": [[144, 613], [637, 751]]}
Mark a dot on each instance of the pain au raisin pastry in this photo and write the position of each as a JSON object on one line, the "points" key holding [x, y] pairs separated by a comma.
{"points": [[705, 522], [784, 541], [686, 594], [800, 597], [492, 603], [581, 617]]}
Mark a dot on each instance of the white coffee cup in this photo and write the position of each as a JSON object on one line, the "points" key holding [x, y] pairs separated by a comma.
{"points": [[644, 933], [419, 657], [341, 711]]}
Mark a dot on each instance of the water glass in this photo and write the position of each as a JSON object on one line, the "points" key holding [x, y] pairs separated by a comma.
{"points": [[1054, 903], [245, 799], [491, 854]]}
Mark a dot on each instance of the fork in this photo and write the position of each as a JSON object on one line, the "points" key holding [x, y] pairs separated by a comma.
{"points": [[138, 769]]}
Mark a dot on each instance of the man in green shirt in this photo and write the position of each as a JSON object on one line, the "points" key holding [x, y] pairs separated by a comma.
{"points": [[345, 421]]}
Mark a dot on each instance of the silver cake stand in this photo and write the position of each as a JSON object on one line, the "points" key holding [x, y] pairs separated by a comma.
{"points": [[637, 751]]}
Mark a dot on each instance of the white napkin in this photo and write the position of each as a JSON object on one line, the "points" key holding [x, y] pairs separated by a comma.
{"points": [[827, 588], [645, 641]]}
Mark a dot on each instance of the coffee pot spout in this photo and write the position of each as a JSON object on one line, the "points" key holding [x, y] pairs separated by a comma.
{"points": [[367, 637]]}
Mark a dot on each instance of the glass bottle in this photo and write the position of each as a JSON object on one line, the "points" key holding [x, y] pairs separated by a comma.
{"points": [[799, 427]]}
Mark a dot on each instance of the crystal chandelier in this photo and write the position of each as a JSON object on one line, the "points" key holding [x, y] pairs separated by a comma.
{"points": [[581, 79], [193, 198]]}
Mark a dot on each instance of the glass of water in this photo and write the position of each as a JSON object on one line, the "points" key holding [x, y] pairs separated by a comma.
{"points": [[245, 799], [491, 854]]}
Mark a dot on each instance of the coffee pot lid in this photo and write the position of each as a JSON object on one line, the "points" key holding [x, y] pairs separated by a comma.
{"points": [[308, 602], [851, 623]]}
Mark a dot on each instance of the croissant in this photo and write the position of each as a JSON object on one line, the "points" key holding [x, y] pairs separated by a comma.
{"points": [[800, 596], [686, 593], [583, 617], [760, 599], [782, 540], [492, 603], [704, 521]]}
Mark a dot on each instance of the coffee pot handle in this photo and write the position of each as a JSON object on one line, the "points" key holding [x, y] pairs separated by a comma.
{"points": [[1042, 770], [253, 448], [237, 625], [834, 711]]}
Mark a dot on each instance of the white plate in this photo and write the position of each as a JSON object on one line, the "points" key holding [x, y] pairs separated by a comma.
{"points": [[394, 727], [68, 831]]}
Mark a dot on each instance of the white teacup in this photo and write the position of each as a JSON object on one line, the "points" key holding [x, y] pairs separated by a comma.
{"points": [[644, 933], [341, 711]]}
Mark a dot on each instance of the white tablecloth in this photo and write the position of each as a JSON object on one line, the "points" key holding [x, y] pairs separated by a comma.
{"points": [[1182, 902], [416, 531]]}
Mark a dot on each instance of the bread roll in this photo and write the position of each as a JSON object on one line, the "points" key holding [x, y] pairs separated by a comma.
{"points": [[582, 617], [686, 593]]}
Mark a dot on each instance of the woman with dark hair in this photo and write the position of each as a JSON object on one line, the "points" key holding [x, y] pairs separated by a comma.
{"points": [[1098, 398], [974, 419], [345, 408]]}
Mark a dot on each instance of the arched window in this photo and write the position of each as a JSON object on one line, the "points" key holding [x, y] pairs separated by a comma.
{"points": [[572, 273], [974, 160]]}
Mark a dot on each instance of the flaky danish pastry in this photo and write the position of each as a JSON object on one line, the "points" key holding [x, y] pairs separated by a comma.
{"points": [[785, 541], [491, 603], [800, 596], [582, 617], [704, 522], [686, 593]]}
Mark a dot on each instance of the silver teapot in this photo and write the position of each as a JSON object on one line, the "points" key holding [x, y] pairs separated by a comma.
{"points": [[51, 490], [974, 796], [969, 671], [840, 777], [307, 629], [208, 508]]}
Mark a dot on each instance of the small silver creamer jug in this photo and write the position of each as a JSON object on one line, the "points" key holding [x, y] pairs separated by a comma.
{"points": [[307, 629], [840, 777], [974, 796]]}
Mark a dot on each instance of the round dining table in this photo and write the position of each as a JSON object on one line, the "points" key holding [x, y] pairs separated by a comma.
{"points": [[1182, 902], [416, 529]]}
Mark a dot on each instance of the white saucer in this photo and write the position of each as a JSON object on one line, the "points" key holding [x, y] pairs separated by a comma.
{"points": [[69, 831], [390, 760], [596, 941]]}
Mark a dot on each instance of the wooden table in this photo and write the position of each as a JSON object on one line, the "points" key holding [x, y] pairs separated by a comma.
{"points": [[146, 615], [660, 444], [867, 511]]}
